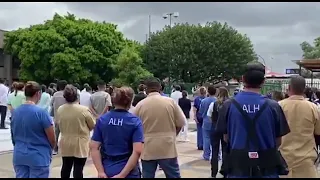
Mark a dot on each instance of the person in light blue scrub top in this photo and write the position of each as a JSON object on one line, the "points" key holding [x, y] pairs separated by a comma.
{"points": [[207, 122], [33, 134], [198, 116]]}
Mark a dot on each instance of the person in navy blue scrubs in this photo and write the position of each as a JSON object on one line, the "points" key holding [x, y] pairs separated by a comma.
{"points": [[198, 117], [207, 122], [117, 140], [252, 126], [33, 134]]}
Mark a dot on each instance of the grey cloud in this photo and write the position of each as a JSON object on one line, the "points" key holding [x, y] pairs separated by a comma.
{"points": [[276, 29]]}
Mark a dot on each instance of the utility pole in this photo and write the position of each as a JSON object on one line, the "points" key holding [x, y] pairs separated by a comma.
{"points": [[165, 16]]}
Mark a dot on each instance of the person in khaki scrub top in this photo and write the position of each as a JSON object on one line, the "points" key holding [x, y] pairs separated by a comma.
{"points": [[100, 100], [298, 147], [75, 123], [162, 120]]}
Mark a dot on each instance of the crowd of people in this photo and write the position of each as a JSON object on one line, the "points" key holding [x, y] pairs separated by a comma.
{"points": [[133, 135]]}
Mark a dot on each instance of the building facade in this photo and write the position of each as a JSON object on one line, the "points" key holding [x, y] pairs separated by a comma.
{"points": [[8, 65]]}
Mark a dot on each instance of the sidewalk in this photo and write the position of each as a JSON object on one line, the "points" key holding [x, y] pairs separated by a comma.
{"points": [[191, 164], [5, 137]]}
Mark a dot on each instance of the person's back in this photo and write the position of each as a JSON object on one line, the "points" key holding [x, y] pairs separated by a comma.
{"points": [[118, 132], [57, 100], [252, 126], [15, 99], [177, 94], [85, 97], [298, 147], [138, 97], [45, 100], [185, 105], [207, 123], [28, 124], [100, 100], [162, 120], [75, 124]]}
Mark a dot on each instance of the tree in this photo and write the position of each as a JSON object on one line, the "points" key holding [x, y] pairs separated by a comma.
{"points": [[195, 53], [129, 68], [310, 52], [78, 50]]}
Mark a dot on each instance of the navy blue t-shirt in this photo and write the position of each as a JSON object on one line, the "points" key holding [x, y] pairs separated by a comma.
{"points": [[117, 130], [271, 125]]}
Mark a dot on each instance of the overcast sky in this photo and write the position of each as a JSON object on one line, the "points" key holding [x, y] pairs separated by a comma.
{"points": [[276, 29]]}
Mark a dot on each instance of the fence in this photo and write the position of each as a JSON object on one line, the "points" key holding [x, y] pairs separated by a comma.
{"points": [[283, 85]]}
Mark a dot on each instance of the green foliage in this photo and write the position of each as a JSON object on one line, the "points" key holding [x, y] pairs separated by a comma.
{"points": [[78, 50], [129, 68], [309, 51], [195, 53]]}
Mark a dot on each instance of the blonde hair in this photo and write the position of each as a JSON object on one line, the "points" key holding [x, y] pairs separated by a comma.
{"points": [[223, 94]]}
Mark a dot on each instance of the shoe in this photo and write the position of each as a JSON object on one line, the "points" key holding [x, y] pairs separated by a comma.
{"points": [[54, 153], [200, 148]]}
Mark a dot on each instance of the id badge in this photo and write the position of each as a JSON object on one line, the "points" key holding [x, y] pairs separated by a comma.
{"points": [[253, 155]]}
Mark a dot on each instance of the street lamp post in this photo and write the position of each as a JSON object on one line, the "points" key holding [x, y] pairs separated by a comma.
{"points": [[264, 62], [166, 16]]}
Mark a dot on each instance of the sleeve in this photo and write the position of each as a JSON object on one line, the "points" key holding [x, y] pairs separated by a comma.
{"points": [[46, 120], [90, 120], [282, 127], [97, 134], [195, 103], [222, 122], [108, 100], [180, 118], [210, 109], [138, 132]]}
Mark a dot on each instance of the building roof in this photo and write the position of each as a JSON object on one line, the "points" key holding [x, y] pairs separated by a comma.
{"points": [[309, 64]]}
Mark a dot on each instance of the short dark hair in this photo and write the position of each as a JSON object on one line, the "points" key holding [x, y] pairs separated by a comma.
{"points": [[2, 81], [141, 87], [88, 88], [52, 85], [70, 93], [50, 91], [43, 88], [212, 90], [61, 85], [77, 85], [101, 83], [253, 76], [31, 88], [153, 84], [297, 84], [184, 94], [177, 87]]}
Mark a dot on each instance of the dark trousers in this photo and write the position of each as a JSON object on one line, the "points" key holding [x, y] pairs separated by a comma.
{"points": [[216, 138], [3, 112], [76, 163], [170, 168]]}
